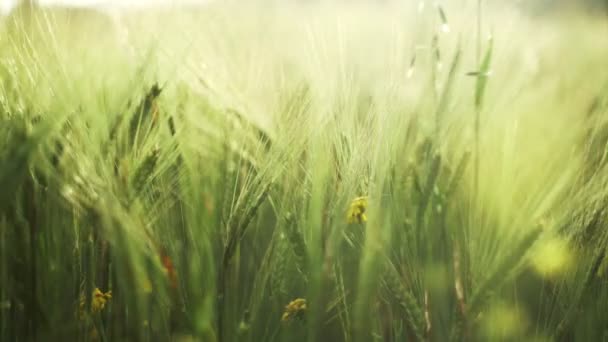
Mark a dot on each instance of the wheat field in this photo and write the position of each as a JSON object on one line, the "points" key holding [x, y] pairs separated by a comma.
{"points": [[304, 171]]}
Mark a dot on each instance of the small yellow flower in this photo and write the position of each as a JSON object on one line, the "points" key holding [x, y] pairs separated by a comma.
{"points": [[295, 309], [98, 302], [356, 211]]}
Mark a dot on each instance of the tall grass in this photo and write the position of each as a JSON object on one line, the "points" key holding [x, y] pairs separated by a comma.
{"points": [[302, 172]]}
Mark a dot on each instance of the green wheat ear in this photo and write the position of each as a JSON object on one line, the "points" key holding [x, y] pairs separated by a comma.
{"points": [[502, 272], [297, 244], [279, 269], [407, 300], [20, 148], [145, 116], [143, 174], [457, 177]]}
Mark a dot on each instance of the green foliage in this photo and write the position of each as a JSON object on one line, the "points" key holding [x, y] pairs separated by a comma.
{"points": [[301, 178]]}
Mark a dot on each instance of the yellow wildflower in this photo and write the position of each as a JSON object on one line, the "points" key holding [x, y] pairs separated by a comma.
{"points": [[295, 309], [356, 211], [98, 302]]}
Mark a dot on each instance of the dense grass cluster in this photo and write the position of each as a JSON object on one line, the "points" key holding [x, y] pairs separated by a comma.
{"points": [[303, 173]]}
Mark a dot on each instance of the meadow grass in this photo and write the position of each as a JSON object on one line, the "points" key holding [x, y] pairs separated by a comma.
{"points": [[305, 172]]}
